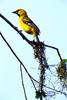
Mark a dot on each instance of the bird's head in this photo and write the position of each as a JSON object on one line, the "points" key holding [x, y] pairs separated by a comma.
{"points": [[20, 12]]}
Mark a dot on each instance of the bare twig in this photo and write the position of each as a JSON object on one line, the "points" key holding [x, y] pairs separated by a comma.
{"points": [[18, 59], [23, 82], [55, 49]]}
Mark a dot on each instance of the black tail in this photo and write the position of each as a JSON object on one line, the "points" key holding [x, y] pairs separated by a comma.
{"points": [[37, 38]]}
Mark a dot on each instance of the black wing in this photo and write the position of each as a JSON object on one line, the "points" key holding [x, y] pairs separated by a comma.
{"points": [[29, 22]]}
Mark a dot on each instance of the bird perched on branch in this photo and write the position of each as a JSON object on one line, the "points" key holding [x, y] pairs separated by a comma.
{"points": [[26, 23]]}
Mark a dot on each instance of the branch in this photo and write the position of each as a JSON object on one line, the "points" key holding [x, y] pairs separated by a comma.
{"points": [[16, 29], [30, 43], [23, 36], [23, 82], [41, 43], [18, 60], [55, 49], [25, 67]]}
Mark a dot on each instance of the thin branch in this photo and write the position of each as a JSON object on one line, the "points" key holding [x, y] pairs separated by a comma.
{"points": [[31, 78], [18, 60], [52, 88], [23, 82], [56, 90], [55, 49]]}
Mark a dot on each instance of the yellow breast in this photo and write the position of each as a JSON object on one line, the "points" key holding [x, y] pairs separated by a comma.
{"points": [[26, 28], [23, 25]]}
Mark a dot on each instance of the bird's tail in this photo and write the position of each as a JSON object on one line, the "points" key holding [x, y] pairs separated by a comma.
{"points": [[37, 38]]}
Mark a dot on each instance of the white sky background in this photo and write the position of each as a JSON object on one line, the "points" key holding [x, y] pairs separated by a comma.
{"points": [[51, 18]]}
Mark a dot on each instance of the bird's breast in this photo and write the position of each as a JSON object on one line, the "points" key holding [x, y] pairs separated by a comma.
{"points": [[23, 25], [27, 28]]}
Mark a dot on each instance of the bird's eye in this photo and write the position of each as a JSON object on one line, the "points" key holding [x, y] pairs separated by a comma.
{"points": [[17, 10]]}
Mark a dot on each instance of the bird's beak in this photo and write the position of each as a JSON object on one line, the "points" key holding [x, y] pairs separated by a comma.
{"points": [[15, 12]]}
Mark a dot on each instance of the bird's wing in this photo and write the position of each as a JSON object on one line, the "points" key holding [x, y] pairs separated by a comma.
{"points": [[29, 22]]}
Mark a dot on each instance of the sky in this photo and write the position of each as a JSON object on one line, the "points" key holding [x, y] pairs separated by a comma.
{"points": [[51, 18]]}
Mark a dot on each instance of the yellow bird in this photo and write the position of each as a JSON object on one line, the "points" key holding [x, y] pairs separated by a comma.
{"points": [[26, 23]]}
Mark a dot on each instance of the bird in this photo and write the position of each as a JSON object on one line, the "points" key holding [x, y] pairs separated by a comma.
{"points": [[26, 23]]}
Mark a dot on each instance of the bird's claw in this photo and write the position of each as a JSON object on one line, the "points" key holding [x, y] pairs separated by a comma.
{"points": [[20, 31]]}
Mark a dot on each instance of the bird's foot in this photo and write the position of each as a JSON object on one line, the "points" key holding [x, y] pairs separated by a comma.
{"points": [[20, 31]]}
